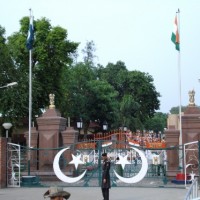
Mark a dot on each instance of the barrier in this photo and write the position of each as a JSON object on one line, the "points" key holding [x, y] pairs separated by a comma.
{"points": [[192, 193]]}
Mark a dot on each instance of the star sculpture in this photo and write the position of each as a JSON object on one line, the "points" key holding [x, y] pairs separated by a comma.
{"points": [[123, 161], [192, 175], [76, 160]]}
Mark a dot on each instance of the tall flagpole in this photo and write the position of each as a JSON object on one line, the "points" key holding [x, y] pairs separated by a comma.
{"points": [[30, 99], [180, 103]]}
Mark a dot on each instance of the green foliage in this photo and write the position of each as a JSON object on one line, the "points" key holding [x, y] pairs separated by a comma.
{"points": [[88, 53], [110, 93], [128, 110], [7, 75], [50, 58], [116, 75], [175, 110], [137, 96], [88, 97], [157, 123]]}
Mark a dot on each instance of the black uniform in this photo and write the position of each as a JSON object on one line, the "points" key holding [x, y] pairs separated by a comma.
{"points": [[106, 175]]}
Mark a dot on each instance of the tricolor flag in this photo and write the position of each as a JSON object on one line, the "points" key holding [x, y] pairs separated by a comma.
{"points": [[175, 35], [30, 38]]}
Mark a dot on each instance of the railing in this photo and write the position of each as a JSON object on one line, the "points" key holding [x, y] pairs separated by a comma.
{"points": [[13, 165], [192, 193], [121, 137]]}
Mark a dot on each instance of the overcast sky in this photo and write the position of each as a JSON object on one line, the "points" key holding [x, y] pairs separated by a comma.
{"points": [[137, 32]]}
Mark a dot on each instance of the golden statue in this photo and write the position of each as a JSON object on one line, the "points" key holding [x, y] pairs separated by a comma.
{"points": [[52, 101], [191, 98]]}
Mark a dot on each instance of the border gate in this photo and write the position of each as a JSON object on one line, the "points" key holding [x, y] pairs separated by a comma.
{"points": [[191, 159], [90, 158], [13, 176]]}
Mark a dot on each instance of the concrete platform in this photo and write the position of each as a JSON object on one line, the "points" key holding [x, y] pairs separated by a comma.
{"points": [[94, 193]]}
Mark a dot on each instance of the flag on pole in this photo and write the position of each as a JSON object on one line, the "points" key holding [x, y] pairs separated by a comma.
{"points": [[30, 38], [175, 35]]}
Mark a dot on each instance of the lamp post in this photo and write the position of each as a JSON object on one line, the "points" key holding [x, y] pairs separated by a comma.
{"points": [[160, 136], [79, 125], [7, 126], [125, 129], [105, 126], [142, 139], [9, 85]]}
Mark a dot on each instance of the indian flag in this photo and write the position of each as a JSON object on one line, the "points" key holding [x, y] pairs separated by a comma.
{"points": [[175, 35], [106, 144]]}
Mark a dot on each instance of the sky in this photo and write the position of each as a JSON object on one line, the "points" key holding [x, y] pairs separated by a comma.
{"points": [[137, 32]]}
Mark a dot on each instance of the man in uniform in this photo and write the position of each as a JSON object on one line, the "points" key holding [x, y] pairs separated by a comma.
{"points": [[105, 185]]}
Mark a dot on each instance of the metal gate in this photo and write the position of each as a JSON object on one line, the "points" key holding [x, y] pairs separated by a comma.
{"points": [[191, 159], [89, 166], [13, 165], [156, 173]]}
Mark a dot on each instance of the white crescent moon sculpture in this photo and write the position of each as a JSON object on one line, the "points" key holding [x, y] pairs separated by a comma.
{"points": [[59, 173], [141, 173]]}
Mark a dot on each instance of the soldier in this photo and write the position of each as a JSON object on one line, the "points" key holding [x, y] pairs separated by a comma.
{"points": [[105, 185], [56, 193]]}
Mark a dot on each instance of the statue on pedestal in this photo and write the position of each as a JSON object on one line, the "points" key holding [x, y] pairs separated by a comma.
{"points": [[52, 101], [191, 98]]}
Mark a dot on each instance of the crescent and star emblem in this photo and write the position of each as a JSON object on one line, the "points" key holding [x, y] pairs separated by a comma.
{"points": [[122, 160], [76, 161]]}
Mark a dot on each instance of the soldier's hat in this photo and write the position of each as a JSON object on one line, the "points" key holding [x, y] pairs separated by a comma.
{"points": [[104, 154], [56, 192]]}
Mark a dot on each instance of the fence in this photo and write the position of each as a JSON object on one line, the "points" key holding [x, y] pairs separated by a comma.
{"points": [[42, 173], [192, 193]]}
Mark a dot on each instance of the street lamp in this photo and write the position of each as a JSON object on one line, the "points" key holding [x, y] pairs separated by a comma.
{"points": [[105, 126], [79, 125], [9, 85], [7, 126], [125, 129]]}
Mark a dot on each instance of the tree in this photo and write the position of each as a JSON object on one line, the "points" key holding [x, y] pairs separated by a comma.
{"points": [[100, 93], [7, 70], [116, 75], [128, 108], [88, 97], [8, 74], [50, 59], [88, 53], [175, 110], [157, 123], [140, 86], [137, 95]]}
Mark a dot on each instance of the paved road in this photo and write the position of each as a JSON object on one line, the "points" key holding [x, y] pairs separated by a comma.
{"points": [[94, 193]]}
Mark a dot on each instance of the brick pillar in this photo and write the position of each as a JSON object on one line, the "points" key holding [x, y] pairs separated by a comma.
{"points": [[69, 136], [172, 140], [191, 133], [3, 168], [50, 126]]}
